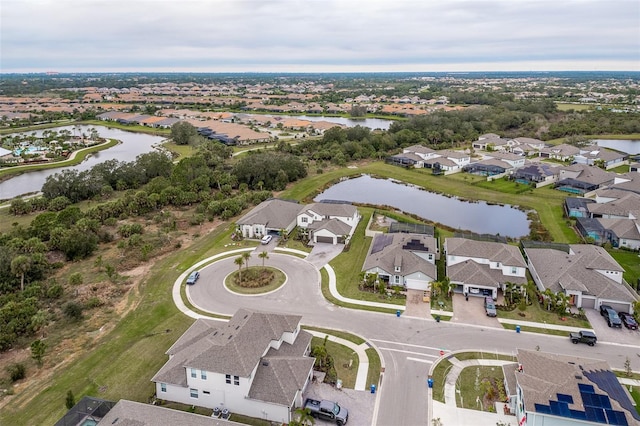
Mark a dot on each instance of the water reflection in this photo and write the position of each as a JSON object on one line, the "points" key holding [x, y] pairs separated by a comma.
{"points": [[133, 144], [478, 217]]}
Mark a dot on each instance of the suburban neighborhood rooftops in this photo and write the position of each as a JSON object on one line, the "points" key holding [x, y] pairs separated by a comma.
{"points": [[278, 379], [471, 271], [131, 413], [341, 209], [390, 250], [335, 226]]}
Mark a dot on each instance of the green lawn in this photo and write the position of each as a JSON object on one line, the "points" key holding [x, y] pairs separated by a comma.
{"points": [[506, 186], [630, 261], [341, 334], [181, 150], [341, 357], [375, 367], [439, 375], [277, 281], [535, 313], [470, 384], [128, 127]]}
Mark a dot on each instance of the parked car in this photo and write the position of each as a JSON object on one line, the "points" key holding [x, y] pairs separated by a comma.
{"points": [[266, 239], [583, 336], [628, 321], [613, 320], [490, 307], [193, 277], [327, 410], [604, 309]]}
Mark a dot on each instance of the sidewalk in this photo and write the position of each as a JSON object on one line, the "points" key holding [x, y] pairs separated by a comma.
{"points": [[540, 325]]}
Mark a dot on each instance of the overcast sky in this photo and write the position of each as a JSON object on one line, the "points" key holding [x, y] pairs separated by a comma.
{"points": [[319, 35]]}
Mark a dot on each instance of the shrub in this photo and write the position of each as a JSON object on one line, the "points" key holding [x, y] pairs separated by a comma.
{"points": [[55, 291], [16, 372], [93, 302], [72, 310], [75, 278]]}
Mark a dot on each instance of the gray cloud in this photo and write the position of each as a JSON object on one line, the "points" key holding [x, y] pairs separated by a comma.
{"points": [[238, 35]]}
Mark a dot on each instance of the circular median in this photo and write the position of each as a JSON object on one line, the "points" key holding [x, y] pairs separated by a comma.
{"points": [[255, 280]]}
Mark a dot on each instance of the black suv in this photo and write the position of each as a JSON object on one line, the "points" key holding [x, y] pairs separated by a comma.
{"points": [[583, 336], [613, 320]]}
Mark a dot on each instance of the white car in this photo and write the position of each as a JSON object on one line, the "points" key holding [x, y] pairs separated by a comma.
{"points": [[266, 239]]}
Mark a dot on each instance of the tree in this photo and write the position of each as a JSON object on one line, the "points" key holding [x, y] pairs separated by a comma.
{"points": [[264, 255], [182, 132], [72, 310], [39, 321], [38, 349], [20, 265], [70, 400], [239, 261], [246, 256], [304, 418]]}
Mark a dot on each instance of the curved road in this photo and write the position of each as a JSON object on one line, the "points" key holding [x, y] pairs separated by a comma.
{"points": [[408, 345]]}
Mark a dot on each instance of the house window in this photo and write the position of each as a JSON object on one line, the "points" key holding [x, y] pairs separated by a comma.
{"points": [[304, 219], [498, 264], [206, 392], [193, 393], [397, 269], [236, 380], [163, 387], [397, 279], [203, 375], [514, 270], [430, 257], [193, 373], [228, 379]]}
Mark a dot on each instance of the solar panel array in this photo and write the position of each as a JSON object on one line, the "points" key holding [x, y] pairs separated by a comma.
{"points": [[609, 383], [597, 407], [380, 242]]}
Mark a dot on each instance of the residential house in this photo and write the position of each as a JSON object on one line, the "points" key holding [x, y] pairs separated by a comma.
{"points": [[586, 274], [577, 206], [483, 267], [562, 152], [256, 364], [329, 222], [625, 207], [488, 167], [539, 173], [402, 259], [513, 160], [492, 143], [600, 156], [527, 146], [269, 218], [564, 390], [582, 179], [622, 232]]}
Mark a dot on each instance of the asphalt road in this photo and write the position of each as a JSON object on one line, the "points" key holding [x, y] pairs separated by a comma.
{"points": [[408, 345]]}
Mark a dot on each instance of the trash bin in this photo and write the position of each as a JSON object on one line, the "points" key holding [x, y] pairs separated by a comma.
{"points": [[517, 329], [398, 313], [430, 382], [437, 318], [373, 388]]}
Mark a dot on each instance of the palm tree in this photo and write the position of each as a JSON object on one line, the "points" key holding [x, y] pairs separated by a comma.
{"points": [[264, 255], [239, 261], [550, 298], [20, 265], [245, 257], [529, 290], [509, 289], [563, 302], [304, 418], [39, 320]]}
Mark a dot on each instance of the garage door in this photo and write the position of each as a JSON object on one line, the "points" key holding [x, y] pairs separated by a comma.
{"points": [[619, 307], [588, 303], [324, 240], [417, 284]]}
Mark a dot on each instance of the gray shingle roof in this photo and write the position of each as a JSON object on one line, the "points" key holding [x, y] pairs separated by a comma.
{"points": [[335, 226], [623, 228], [275, 214], [387, 251], [232, 348], [496, 252], [130, 413], [620, 207], [471, 272], [332, 209], [558, 269]]}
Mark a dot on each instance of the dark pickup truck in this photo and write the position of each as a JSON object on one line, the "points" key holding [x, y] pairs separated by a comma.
{"points": [[583, 336], [327, 410]]}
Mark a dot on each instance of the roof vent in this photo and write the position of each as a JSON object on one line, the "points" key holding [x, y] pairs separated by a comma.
{"points": [[230, 336], [265, 362], [579, 377]]}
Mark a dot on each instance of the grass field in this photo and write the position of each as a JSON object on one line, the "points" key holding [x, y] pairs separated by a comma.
{"points": [[341, 357], [630, 261], [471, 387], [535, 313]]}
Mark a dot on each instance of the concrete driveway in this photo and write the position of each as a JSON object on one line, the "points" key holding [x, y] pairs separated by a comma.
{"points": [[472, 311], [359, 404], [610, 334], [323, 253]]}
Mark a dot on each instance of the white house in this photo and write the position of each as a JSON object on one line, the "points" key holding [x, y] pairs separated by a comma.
{"points": [[401, 259], [586, 273], [329, 222], [269, 217], [256, 364], [483, 267]]}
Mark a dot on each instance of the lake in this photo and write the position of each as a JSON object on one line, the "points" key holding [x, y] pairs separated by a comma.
{"points": [[628, 146], [478, 217], [372, 123], [133, 144]]}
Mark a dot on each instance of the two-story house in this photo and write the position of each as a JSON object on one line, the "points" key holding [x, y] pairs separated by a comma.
{"points": [[271, 217], [401, 259], [329, 222], [483, 267], [256, 364]]}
